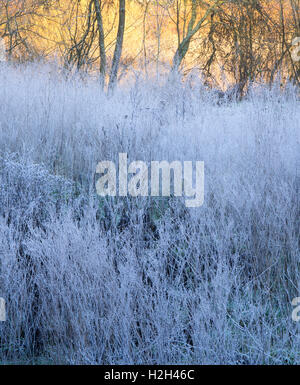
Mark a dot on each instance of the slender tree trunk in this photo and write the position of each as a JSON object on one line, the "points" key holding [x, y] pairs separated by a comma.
{"points": [[144, 37], [101, 42], [118, 47]]}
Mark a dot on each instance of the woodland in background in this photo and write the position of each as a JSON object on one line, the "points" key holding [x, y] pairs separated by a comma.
{"points": [[231, 42]]}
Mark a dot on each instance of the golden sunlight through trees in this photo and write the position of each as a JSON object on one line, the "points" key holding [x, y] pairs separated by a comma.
{"points": [[223, 39]]}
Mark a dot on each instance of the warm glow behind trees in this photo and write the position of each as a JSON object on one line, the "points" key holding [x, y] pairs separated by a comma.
{"points": [[244, 39]]}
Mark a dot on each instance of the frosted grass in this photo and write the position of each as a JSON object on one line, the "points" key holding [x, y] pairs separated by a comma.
{"points": [[147, 281]]}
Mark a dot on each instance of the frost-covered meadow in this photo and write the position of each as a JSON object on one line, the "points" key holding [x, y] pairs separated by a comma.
{"points": [[91, 280]]}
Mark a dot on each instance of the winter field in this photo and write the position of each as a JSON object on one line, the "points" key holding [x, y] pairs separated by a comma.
{"points": [[123, 280]]}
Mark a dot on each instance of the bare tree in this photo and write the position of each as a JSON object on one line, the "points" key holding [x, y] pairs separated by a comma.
{"points": [[97, 5], [15, 19], [101, 41], [86, 34], [80, 34], [193, 27], [118, 46]]}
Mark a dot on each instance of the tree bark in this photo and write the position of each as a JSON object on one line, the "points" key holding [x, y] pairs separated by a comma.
{"points": [[191, 31], [101, 42], [118, 47]]}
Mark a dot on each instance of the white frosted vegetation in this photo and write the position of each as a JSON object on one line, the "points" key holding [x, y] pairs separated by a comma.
{"points": [[147, 280]]}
